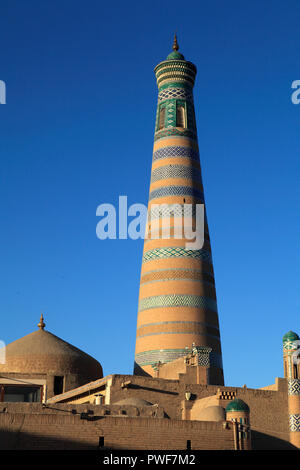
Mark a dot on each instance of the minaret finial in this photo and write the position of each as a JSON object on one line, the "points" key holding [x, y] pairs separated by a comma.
{"points": [[175, 43], [41, 324]]}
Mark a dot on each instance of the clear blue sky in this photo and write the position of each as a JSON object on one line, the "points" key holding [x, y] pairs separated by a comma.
{"points": [[77, 131]]}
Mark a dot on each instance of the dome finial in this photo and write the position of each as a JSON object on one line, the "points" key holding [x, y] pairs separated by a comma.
{"points": [[41, 324], [175, 43]]}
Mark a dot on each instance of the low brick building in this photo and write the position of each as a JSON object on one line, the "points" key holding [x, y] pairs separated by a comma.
{"points": [[176, 409]]}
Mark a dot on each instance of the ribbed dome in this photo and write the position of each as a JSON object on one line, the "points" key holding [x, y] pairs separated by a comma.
{"points": [[44, 353], [237, 405]]}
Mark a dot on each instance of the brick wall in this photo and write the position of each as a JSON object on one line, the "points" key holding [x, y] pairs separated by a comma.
{"points": [[268, 412], [164, 392], [24, 426], [268, 408]]}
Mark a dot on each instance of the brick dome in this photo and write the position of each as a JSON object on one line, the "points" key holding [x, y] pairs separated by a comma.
{"points": [[41, 352], [209, 413]]}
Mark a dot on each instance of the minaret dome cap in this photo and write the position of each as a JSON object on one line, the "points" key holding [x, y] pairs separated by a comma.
{"points": [[290, 336], [175, 70], [237, 405], [175, 55]]}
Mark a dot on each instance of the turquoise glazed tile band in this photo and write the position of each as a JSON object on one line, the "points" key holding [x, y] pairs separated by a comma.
{"points": [[176, 252], [177, 300]]}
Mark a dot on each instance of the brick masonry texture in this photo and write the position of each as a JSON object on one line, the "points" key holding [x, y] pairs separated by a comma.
{"points": [[33, 428], [61, 425]]}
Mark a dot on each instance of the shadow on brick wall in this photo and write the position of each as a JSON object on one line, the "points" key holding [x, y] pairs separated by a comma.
{"points": [[12, 440], [261, 441]]}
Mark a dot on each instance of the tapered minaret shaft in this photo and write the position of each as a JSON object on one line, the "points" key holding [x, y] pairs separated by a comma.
{"points": [[177, 301]]}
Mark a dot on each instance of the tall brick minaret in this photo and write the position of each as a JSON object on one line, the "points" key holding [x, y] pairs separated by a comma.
{"points": [[177, 302]]}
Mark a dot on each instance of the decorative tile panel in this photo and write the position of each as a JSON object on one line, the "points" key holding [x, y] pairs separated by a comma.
{"points": [[168, 355], [290, 345], [171, 113], [176, 151], [294, 423], [175, 131], [157, 211], [176, 191], [294, 387], [175, 93], [177, 300], [176, 171], [176, 252]]}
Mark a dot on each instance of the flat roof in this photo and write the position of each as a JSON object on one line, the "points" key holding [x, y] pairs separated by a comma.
{"points": [[80, 390]]}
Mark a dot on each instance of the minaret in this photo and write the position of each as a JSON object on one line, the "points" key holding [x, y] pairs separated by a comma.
{"points": [[177, 301], [291, 364]]}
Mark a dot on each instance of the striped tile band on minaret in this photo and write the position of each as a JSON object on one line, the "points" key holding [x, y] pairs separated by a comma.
{"points": [[177, 301]]}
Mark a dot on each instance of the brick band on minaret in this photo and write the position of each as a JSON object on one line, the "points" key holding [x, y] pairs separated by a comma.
{"points": [[177, 300]]}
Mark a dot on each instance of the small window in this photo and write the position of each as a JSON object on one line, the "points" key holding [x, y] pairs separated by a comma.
{"points": [[101, 441], [180, 116], [19, 393], [285, 369], [295, 371], [58, 385], [188, 445], [162, 115]]}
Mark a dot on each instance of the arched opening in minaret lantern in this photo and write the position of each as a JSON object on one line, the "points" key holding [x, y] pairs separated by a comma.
{"points": [[162, 118], [180, 116]]}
